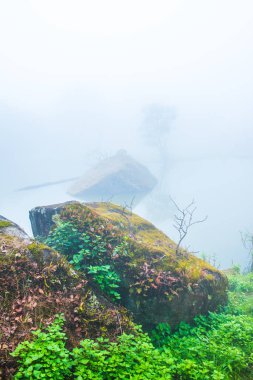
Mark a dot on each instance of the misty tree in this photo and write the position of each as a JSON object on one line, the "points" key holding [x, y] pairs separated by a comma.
{"points": [[156, 127]]}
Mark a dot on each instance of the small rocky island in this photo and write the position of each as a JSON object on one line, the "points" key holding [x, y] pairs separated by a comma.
{"points": [[119, 178]]}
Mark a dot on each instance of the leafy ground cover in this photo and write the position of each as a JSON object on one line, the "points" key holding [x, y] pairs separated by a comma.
{"points": [[240, 291], [218, 346]]}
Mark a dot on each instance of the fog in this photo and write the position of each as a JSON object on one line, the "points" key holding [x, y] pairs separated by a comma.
{"points": [[76, 78]]}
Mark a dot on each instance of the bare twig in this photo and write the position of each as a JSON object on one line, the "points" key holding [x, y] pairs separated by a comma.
{"points": [[107, 201], [128, 214], [184, 220]]}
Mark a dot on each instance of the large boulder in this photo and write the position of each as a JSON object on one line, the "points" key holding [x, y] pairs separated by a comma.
{"points": [[41, 218], [119, 178], [157, 285], [36, 283]]}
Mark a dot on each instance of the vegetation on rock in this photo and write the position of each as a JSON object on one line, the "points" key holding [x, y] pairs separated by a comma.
{"points": [[86, 253], [58, 318], [35, 284], [156, 285]]}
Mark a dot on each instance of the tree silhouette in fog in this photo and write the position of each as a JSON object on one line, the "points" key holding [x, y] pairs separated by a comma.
{"points": [[157, 124]]}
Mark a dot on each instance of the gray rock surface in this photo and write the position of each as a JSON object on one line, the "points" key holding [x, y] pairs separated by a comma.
{"points": [[10, 228], [41, 218]]}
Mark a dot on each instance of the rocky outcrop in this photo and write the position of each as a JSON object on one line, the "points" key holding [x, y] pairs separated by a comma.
{"points": [[41, 218], [36, 283], [157, 285], [119, 178], [10, 228]]}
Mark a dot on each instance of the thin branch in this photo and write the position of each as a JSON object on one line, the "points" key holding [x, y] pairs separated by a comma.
{"points": [[183, 221]]}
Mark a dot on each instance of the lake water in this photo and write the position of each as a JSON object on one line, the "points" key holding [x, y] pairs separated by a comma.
{"points": [[222, 189]]}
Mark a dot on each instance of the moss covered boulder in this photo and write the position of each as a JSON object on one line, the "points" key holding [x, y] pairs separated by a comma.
{"points": [[36, 283], [156, 284]]}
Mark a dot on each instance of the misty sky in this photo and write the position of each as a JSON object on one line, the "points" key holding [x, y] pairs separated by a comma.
{"points": [[76, 75]]}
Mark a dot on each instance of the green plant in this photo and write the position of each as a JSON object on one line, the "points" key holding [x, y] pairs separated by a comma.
{"points": [[90, 253], [218, 347], [160, 334], [46, 356], [236, 304], [130, 357], [122, 249], [82, 251], [107, 279], [240, 282], [64, 238], [240, 293]]}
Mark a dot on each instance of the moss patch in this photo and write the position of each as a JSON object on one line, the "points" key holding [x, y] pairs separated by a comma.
{"points": [[157, 244], [5, 223]]}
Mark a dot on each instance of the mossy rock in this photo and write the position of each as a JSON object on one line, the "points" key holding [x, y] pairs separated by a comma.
{"points": [[36, 283], [7, 227], [157, 285]]}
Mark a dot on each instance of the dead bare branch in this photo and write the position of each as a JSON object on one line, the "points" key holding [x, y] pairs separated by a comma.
{"points": [[184, 220], [127, 211]]}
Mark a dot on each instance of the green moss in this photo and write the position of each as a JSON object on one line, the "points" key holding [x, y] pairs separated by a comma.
{"points": [[37, 248], [131, 224], [5, 223], [150, 243]]}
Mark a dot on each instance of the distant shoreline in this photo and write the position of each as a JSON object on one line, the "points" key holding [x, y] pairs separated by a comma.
{"points": [[47, 184]]}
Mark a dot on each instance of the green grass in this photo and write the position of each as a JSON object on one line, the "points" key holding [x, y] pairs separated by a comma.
{"points": [[240, 293]]}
